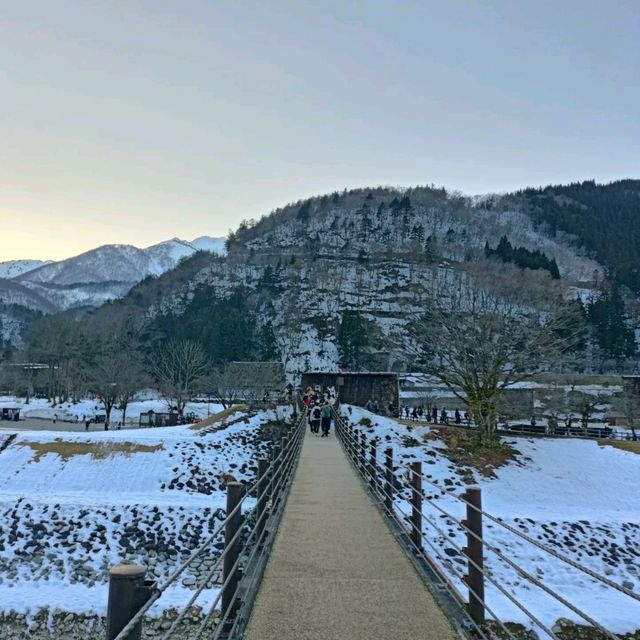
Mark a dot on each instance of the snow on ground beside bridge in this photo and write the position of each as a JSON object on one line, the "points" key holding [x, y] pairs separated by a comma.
{"points": [[574, 496], [75, 412], [74, 504]]}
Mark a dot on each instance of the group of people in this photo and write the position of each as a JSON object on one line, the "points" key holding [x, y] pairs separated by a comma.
{"points": [[418, 413], [319, 403]]}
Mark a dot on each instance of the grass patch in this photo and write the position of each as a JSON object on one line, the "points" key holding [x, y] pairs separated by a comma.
{"points": [[467, 449], [97, 450], [625, 445], [221, 415]]}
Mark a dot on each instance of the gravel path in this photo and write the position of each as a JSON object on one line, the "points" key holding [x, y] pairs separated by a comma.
{"points": [[336, 571]]}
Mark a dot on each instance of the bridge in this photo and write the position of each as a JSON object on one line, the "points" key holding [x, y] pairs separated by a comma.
{"points": [[336, 570], [337, 545]]}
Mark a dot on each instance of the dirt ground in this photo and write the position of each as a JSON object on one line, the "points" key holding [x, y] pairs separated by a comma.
{"points": [[44, 424]]}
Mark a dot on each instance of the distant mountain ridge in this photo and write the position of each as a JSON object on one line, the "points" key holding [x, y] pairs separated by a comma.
{"points": [[95, 276]]}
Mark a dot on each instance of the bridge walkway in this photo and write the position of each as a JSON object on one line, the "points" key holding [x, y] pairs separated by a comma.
{"points": [[336, 572]]}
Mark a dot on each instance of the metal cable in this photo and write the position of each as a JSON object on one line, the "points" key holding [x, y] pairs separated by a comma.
{"points": [[525, 574], [539, 545], [444, 579], [222, 622], [518, 569], [158, 591]]}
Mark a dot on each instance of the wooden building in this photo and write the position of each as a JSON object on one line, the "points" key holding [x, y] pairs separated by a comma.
{"points": [[354, 387]]}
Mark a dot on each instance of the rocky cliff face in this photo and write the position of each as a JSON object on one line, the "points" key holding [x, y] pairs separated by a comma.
{"points": [[386, 254]]}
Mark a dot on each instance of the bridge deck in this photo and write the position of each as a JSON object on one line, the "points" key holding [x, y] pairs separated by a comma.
{"points": [[336, 572]]}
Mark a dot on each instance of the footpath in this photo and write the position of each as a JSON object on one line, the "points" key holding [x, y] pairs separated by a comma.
{"points": [[336, 572]]}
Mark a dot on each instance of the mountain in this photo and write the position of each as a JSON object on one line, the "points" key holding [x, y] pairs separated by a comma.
{"points": [[315, 277], [14, 268], [326, 281], [93, 277], [29, 288]]}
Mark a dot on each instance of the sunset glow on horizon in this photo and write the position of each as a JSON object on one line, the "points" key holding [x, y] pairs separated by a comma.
{"points": [[135, 124]]}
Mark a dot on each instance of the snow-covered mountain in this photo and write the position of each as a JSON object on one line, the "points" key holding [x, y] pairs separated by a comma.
{"points": [[15, 268], [93, 277]]}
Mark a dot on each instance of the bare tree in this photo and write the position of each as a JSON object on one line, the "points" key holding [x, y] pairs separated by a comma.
{"points": [[628, 403], [177, 365], [481, 343], [246, 381], [585, 405]]}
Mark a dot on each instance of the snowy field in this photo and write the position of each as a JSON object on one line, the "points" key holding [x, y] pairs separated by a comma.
{"points": [[73, 504], [573, 496], [40, 408]]}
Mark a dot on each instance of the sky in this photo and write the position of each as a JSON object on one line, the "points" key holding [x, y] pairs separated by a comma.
{"points": [[136, 121]]}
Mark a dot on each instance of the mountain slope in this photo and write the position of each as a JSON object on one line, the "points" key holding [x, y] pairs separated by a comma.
{"points": [[15, 268], [104, 273], [384, 254]]}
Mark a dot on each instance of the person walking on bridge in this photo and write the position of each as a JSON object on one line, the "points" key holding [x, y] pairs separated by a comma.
{"points": [[314, 419], [325, 414]]}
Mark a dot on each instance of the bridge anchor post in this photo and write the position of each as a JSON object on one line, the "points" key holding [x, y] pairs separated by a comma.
{"points": [[128, 591]]}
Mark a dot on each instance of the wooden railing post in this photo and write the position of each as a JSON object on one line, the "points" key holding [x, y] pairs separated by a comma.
{"points": [[416, 503], [362, 453], [388, 485], [373, 461], [474, 553], [232, 549], [128, 591], [263, 494]]}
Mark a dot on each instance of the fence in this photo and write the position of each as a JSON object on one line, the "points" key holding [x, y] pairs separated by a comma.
{"points": [[561, 431], [403, 502], [245, 540]]}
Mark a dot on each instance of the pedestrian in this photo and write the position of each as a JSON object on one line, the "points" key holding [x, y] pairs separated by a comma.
{"points": [[414, 414], [434, 414], [325, 414], [314, 420], [444, 419], [458, 417], [420, 412], [55, 417], [406, 412], [87, 422]]}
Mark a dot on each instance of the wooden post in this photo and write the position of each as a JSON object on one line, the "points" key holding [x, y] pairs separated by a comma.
{"points": [[362, 453], [275, 467], [232, 550], [388, 485], [373, 455], [415, 482], [263, 495], [128, 591], [474, 552]]}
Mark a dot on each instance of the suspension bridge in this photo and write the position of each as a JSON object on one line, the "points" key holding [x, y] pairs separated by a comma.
{"points": [[339, 543]]}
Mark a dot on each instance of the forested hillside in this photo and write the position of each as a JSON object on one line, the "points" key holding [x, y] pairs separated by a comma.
{"points": [[337, 280], [604, 218]]}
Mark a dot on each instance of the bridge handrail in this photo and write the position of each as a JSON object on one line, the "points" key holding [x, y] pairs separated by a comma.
{"points": [[279, 473], [368, 468]]}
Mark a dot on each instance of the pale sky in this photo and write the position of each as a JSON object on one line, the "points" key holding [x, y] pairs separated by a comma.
{"points": [[136, 121]]}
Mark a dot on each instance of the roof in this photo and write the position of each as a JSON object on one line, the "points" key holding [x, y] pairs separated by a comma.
{"points": [[350, 373]]}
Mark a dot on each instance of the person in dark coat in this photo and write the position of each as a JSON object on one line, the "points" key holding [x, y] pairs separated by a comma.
{"points": [[325, 417]]}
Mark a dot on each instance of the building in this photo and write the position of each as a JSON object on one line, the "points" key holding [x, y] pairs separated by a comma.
{"points": [[358, 387]]}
